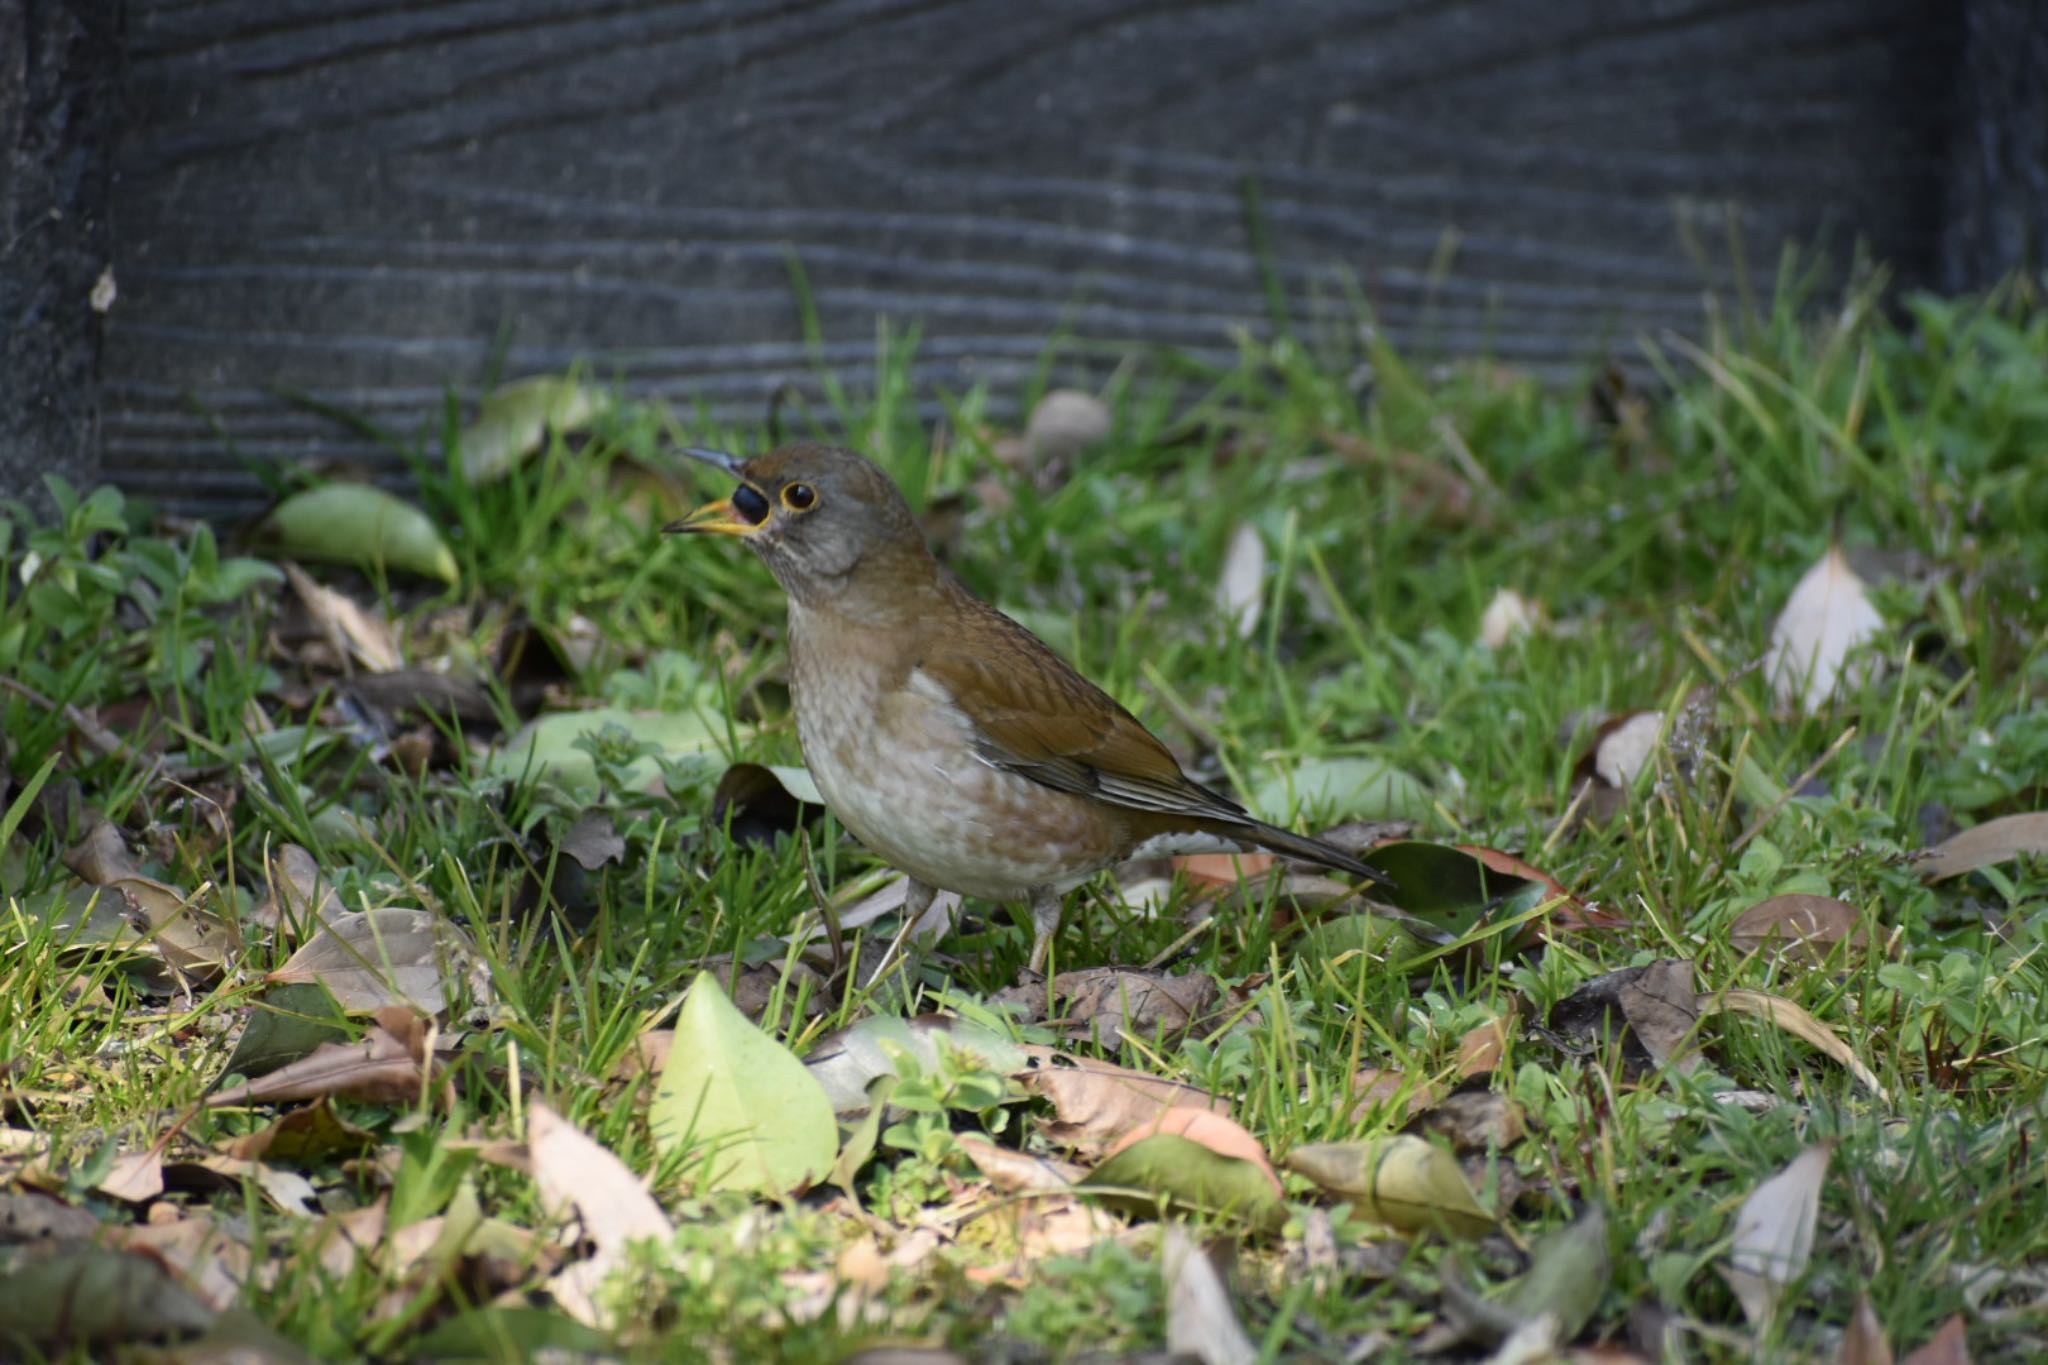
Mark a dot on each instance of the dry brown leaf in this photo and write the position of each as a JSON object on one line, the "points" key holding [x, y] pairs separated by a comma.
{"points": [[1657, 1002], [1098, 1102], [382, 1068], [1949, 1346], [1221, 1134], [1796, 1021], [209, 1262], [1200, 1320], [188, 935], [299, 895], [1865, 1342], [1473, 1121], [30, 1216], [1482, 1050], [1108, 1003], [1391, 1095], [136, 1177], [593, 841], [575, 1174], [303, 1135], [351, 631], [288, 1191], [1798, 926], [1774, 1234], [393, 956], [1014, 1172], [1994, 841]]}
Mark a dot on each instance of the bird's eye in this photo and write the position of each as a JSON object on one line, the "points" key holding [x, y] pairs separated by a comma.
{"points": [[748, 502], [799, 497]]}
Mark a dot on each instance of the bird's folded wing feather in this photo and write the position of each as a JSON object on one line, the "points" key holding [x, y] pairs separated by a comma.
{"points": [[1034, 715]]}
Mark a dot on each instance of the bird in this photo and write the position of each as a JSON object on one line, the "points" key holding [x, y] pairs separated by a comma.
{"points": [[952, 742]]}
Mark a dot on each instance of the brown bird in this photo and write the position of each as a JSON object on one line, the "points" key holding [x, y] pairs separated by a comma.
{"points": [[946, 737]]}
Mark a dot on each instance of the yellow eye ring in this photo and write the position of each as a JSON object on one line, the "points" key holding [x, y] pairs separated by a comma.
{"points": [[799, 497]]}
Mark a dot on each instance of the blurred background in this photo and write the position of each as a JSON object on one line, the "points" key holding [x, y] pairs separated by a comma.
{"points": [[247, 231]]}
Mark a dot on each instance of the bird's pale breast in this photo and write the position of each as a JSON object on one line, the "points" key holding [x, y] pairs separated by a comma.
{"points": [[897, 766]]}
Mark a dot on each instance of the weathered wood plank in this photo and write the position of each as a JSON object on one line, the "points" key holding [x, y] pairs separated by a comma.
{"points": [[58, 97], [357, 198]]}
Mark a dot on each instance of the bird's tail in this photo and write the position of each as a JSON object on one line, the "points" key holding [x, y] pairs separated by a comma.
{"points": [[1313, 850]]}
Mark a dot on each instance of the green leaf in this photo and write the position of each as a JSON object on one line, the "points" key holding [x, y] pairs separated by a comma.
{"points": [[514, 422], [358, 523], [1450, 887], [1183, 1174], [287, 1023], [741, 1098], [1351, 787], [1408, 1184]]}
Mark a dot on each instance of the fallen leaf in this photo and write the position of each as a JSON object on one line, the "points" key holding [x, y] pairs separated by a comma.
{"points": [[1796, 1021], [513, 421], [1568, 1274], [1865, 1342], [1014, 1172], [1201, 1322], [136, 1177], [1389, 1096], [1403, 1182], [1473, 1121], [30, 1216], [1949, 1346], [1798, 926], [1657, 1004], [381, 1068], [285, 1025], [304, 1136], [576, 1174], [1098, 1102], [360, 524], [1994, 841], [1108, 1004], [369, 959], [731, 1093], [1220, 1133], [187, 934], [1483, 1049], [350, 630], [593, 841], [1458, 887], [760, 804], [1774, 1234], [1179, 1174], [1241, 590], [1624, 747], [96, 1297], [1351, 787], [1508, 616], [1064, 425], [206, 1258], [299, 895], [1827, 617], [288, 1191]]}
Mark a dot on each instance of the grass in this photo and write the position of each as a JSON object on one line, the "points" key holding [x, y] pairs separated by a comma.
{"points": [[1394, 499]]}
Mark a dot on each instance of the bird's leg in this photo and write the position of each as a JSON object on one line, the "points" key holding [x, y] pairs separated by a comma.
{"points": [[1046, 908], [917, 898]]}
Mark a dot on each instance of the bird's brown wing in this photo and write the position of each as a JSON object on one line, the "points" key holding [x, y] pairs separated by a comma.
{"points": [[1035, 716]]}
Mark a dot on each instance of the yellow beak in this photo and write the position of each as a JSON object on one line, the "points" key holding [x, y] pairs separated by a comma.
{"points": [[714, 518]]}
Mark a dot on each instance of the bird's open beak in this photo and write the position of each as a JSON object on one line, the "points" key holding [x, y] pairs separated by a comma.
{"points": [[713, 518]]}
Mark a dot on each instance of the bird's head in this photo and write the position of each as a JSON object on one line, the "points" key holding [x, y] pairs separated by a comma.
{"points": [[827, 522]]}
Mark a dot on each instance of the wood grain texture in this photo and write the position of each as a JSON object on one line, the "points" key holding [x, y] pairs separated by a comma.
{"points": [[358, 198], [59, 63]]}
